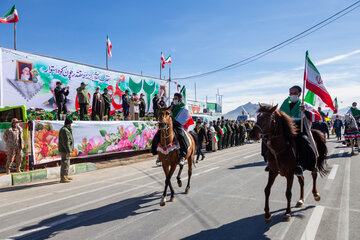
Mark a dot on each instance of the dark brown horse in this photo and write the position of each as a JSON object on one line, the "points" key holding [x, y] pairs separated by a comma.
{"points": [[169, 154], [281, 133]]}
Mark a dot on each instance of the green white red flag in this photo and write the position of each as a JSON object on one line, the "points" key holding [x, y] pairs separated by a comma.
{"points": [[10, 17], [163, 60], [109, 46], [315, 84], [336, 105], [216, 139]]}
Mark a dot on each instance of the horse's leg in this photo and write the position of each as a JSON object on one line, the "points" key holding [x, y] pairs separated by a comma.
{"points": [[315, 191], [165, 166], [300, 203], [172, 170], [271, 179], [190, 163], [289, 183], [179, 176]]}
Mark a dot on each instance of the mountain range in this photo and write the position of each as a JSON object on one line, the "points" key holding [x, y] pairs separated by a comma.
{"points": [[249, 107]]}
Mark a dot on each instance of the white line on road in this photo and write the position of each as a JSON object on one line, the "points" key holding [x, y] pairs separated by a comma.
{"points": [[333, 171], [249, 156], [313, 224], [343, 222]]}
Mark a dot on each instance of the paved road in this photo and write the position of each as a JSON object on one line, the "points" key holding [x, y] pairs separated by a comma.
{"points": [[226, 202]]}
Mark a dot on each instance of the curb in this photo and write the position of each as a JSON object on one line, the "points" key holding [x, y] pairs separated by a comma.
{"points": [[43, 174]]}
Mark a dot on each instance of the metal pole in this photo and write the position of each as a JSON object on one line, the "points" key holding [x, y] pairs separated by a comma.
{"points": [[169, 82], [14, 35], [303, 94], [160, 65], [195, 91], [106, 52]]}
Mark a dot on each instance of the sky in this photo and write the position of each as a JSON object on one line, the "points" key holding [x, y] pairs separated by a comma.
{"points": [[200, 36]]}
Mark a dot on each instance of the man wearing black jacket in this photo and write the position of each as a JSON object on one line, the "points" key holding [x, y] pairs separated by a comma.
{"points": [[200, 130], [60, 98]]}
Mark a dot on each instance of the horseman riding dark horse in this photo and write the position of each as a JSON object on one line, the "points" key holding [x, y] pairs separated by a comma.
{"points": [[287, 150]]}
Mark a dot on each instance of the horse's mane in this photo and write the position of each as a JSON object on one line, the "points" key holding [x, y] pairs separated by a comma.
{"points": [[287, 124]]}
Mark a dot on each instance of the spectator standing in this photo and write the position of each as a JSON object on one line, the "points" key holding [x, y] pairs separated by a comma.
{"points": [[98, 106], [338, 125], [60, 98], [200, 130], [13, 138], [126, 104], [84, 100], [107, 101], [142, 106], [156, 106], [66, 146]]}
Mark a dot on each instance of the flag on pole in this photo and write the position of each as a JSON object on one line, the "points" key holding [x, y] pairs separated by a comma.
{"points": [[315, 84], [314, 114], [216, 139], [184, 118], [336, 105], [163, 60], [10, 17], [109, 46], [183, 93]]}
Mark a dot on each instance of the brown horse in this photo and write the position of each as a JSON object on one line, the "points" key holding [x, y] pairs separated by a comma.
{"points": [[169, 154], [281, 133]]}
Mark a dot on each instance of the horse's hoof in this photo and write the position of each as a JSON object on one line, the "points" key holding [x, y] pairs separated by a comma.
{"points": [[269, 219], [162, 201], [299, 203], [287, 217], [187, 191], [317, 197], [172, 199], [179, 183]]}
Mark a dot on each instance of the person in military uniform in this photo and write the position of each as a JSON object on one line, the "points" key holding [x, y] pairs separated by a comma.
{"points": [[84, 100], [230, 133], [66, 146], [217, 129], [107, 100], [224, 138], [13, 138]]}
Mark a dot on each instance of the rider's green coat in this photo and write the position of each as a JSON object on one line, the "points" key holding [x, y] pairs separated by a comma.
{"points": [[355, 112], [175, 109], [295, 112]]}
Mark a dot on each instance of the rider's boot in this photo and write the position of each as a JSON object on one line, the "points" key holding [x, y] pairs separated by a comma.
{"points": [[267, 168], [298, 171]]}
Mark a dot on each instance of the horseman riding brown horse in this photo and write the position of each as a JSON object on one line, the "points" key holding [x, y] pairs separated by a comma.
{"points": [[283, 151], [168, 150]]}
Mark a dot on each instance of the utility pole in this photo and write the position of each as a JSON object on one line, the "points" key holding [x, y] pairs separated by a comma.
{"points": [[195, 91]]}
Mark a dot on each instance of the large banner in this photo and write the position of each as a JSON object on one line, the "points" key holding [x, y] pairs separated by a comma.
{"points": [[30, 79], [196, 107], [91, 138]]}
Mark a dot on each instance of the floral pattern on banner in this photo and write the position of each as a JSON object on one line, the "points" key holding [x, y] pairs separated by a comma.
{"points": [[95, 139]]}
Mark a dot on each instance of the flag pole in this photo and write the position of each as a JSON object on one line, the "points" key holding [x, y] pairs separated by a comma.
{"points": [[106, 52], [169, 82], [303, 94], [14, 35], [160, 65]]}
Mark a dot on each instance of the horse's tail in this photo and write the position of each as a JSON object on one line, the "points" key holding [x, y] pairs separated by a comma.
{"points": [[320, 140]]}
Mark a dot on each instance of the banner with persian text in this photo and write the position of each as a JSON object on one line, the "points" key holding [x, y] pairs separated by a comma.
{"points": [[91, 138], [30, 79]]}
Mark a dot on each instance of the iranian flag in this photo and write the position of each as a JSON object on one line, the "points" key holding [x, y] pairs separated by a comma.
{"points": [[216, 139], [315, 84], [163, 60], [184, 118], [336, 105], [10, 17], [314, 114], [109, 46], [222, 131]]}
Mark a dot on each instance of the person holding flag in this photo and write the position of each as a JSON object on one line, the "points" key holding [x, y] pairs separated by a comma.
{"points": [[181, 122], [355, 112]]}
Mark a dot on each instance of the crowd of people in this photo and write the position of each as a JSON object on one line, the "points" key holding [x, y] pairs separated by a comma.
{"points": [[101, 103]]}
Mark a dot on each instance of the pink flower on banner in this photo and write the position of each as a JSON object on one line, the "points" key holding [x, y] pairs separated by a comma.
{"points": [[112, 148], [124, 145], [94, 143], [129, 131]]}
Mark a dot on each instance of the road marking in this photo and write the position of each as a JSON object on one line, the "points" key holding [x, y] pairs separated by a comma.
{"points": [[333, 171], [208, 170], [249, 156], [313, 224], [341, 153], [343, 222]]}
